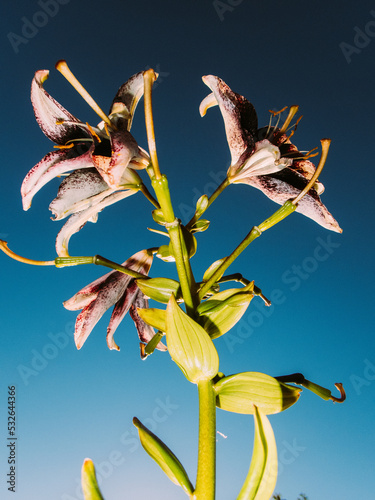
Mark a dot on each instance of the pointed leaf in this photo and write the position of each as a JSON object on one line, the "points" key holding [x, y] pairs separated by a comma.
{"points": [[159, 289], [164, 457], [222, 311], [154, 317], [261, 479], [242, 392], [189, 345], [90, 487]]}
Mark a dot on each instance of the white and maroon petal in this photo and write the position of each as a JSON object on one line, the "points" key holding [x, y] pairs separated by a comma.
{"points": [[145, 331], [52, 165], [264, 160], [127, 98], [110, 292], [80, 190], [79, 219], [123, 149], [240, 118], [286, 185], [48, 111], [121, 308]]}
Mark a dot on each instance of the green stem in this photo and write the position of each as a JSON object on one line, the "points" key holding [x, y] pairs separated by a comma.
{"points": [[211, 199], [254, 233], [280, 214], [206, 474], [149, 196], [174, 229]]}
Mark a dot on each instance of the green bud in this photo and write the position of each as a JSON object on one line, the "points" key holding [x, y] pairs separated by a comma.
{"points": [[200, 226], [240, 393], [165, 253], [159, 289], [158, 217], [164, 457], [210, 271], [222, 311], [201, 206], [154, 317], [90, 487], [190, 346]]}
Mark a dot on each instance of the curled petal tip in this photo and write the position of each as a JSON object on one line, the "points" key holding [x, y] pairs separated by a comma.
{"points": [[342, 397]]}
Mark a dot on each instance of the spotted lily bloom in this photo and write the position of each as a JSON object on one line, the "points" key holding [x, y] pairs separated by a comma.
{"points": [[102, 158], [113, 289], [265, 158]]}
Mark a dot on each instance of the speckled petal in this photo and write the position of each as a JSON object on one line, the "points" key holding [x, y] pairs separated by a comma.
{"points": [[286, 185], [145, 331], [48, 111], [239, 116], [52, 165], [79, 219], [124, 149], [128, 96]]}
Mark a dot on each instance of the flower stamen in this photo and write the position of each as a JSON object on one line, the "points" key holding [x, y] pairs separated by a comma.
{"points": [[325, 147], [293, 110], [65, 71]]}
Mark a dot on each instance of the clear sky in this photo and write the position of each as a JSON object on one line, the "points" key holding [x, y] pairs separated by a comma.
{"points": [[76, 404]]}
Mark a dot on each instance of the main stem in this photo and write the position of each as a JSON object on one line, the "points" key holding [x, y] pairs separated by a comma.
{"points": [[206, 473]]}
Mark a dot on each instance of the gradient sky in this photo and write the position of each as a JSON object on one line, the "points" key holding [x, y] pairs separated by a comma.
{"points": [[76, 404]]}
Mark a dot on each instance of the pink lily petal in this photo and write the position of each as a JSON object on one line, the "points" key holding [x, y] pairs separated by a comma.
{"points": [[76, 222], [52, 165], [48, 111], [128, 95], [145, 331], [286, 185], [240, 119]]}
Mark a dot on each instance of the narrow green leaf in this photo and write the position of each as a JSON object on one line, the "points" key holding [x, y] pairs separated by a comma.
{"points": [[164, 457], [261, 478], [189, 345], [243, 392], [90, 487]]}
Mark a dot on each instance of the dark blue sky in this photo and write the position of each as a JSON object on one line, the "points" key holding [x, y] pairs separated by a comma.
{"points": [[77, 404]]}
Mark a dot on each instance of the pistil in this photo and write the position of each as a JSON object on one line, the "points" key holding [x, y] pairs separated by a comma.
{"points": [[65, 71]]}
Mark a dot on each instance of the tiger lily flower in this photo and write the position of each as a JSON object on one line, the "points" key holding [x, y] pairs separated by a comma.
{"points": [[113, 289], [103, 159], [265, 158]]}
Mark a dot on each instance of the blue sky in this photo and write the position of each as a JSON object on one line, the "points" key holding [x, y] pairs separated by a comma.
{"points": [[75, 404]]}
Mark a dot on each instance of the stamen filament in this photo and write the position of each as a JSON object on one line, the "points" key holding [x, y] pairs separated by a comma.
{"points": [[325, 147], [7, 251], [293, 110], [65, 71]]}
